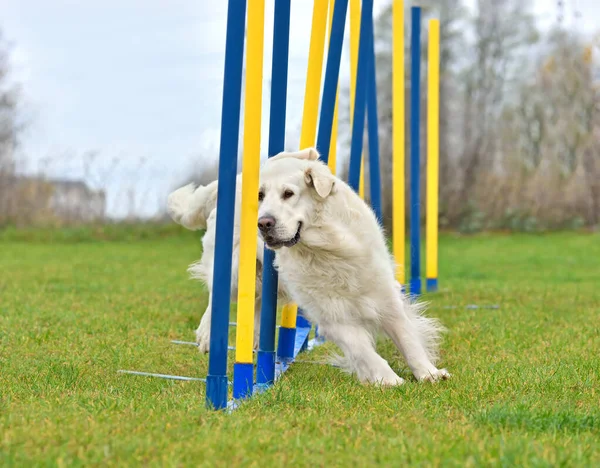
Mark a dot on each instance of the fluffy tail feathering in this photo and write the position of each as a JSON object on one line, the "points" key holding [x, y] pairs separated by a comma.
{"points": [[191, 206]]}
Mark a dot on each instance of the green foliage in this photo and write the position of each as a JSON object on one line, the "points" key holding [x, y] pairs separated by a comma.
{"points": [[472, 220], [524, 390], [123, 232]]}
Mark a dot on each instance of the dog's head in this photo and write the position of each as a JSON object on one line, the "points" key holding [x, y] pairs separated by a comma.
{"points": [[292, 185]]}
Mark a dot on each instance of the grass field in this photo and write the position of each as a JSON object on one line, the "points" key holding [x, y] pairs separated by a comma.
{"points": [[526, 376]]}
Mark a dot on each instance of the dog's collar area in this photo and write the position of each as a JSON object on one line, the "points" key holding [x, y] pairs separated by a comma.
{"points": [[288, 243]]}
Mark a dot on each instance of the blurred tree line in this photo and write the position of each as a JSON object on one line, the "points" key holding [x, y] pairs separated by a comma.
{"points": [[519, 120], [9, 127]]}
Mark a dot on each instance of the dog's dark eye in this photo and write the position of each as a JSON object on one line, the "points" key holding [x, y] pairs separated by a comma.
{"points": [[288, 194], [261, 195]]}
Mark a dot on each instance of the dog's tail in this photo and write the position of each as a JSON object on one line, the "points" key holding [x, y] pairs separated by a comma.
{"points": [[191, 206]]}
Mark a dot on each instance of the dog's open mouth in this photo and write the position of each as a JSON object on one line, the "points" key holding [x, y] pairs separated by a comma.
{"points": [[273, 243]]}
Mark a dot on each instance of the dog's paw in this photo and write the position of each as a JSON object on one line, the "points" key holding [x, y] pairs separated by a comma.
{"points": [[203, 339], [389, 380], [434, 376]]}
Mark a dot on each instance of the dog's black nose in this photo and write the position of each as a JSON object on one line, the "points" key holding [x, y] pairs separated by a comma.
{"points": [[266, 223]]}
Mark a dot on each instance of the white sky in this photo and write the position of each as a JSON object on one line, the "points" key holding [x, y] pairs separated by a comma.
{"points": [[142, 80]]}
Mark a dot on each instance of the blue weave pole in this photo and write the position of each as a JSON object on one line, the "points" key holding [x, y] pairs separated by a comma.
{"points": [[373, 129], [216, 381], [332, 74], [415, 159], [265, 364], [362, 78]]}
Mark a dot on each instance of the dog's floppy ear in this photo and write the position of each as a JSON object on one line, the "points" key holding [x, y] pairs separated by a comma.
{"points": [[309, 154], [320, 177]]}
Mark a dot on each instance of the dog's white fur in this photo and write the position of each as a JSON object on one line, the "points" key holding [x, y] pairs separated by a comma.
{"points": [[340, 271]]}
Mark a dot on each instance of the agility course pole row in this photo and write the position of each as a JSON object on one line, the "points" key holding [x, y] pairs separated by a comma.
{"points": [[294, 330]]}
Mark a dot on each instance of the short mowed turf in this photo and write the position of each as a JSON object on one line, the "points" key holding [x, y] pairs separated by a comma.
{"points": [[525, 387]]}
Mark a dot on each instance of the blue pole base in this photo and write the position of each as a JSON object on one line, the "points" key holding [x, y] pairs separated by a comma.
{"points": [[301, 322], [243, 376], [415, 286], [216, 392], [265, 367], [431, 284], [285, 346]]}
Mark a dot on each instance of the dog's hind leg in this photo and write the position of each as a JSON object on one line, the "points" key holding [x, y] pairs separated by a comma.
{"points": [[360, 356]]}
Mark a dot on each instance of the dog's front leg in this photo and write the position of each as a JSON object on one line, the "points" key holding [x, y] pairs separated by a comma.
{"points": [[360, 356]]}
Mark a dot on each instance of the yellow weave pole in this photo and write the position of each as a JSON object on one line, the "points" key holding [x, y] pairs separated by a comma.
{"points": [[313, 74], [311, 107], [250, 175], [354, 40], [332, 162], [433, 149], [398, 139]]}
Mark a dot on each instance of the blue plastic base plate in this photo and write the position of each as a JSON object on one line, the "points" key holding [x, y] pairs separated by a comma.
{"points": [[431, 284], [265, 367], [415, 287], [243, 379], [285, 346], [216, 389]]}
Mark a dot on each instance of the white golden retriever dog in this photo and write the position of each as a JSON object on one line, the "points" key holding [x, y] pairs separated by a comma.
{"points": [[333, 261]]}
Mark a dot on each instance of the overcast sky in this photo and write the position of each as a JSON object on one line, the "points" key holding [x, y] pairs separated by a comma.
{"points": [[141, 80]]}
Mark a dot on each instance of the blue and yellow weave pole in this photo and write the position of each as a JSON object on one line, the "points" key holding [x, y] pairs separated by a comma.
{"points": [[290, 318], [415, 160], [216, 380], [243, 368], [373, 131], [398, 138], [265, 359], [433, 151], [362, 78]]}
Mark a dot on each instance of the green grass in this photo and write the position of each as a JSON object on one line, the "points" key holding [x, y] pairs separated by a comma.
{"points": [[525, 389]]}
